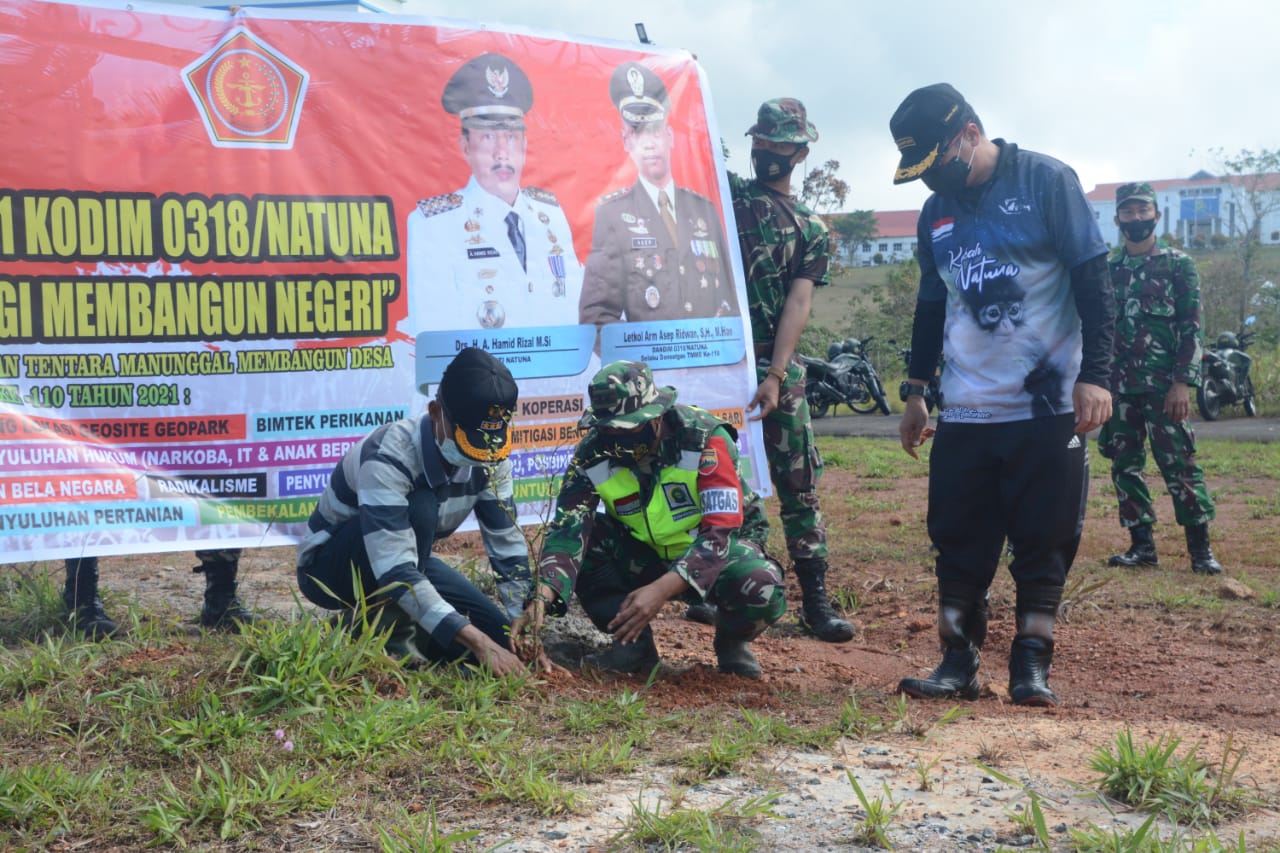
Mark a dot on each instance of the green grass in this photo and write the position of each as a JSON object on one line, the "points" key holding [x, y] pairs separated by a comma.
{"points": [[159, 740], [1185, 789], [229, 741], [727, 828]]}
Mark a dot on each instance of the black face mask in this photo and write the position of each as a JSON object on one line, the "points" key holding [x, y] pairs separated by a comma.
{"points": [[951, 177], [770, 165], [635, 445], [1137, 230]]}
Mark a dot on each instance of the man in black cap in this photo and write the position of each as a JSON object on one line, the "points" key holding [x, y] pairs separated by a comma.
{"points": [[658, 250], [407, 484], [1014, 290], [492, 254]]}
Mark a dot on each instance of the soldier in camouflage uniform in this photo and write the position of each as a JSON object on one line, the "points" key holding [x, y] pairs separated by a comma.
{"points": [[786, 254], [222, 610], [679, 522], [1157, 361]]}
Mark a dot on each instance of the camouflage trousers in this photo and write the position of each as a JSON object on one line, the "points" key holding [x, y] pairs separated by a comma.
{"points": [[1123, 440], [615, 564], [795, 465]]}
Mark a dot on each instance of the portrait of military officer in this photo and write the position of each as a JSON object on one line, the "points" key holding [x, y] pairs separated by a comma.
{"points": [[492, 254], [658, 250]]}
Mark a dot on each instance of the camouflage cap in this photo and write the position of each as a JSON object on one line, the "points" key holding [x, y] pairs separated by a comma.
{"points": [[1139, 191], [783, 120], [623, 396]]}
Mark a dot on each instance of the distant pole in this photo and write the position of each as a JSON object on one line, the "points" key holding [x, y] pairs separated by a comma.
{"points": [[642, 34]]}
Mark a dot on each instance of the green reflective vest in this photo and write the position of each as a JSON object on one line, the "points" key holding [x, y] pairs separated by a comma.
{"points": [[667, 519]]}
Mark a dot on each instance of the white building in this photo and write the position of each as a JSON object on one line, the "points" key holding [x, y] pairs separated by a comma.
{"points": [[894, 240], [1192, 209]]}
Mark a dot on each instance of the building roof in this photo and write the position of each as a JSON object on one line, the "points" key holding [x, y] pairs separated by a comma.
{"points": [[896, 223], [1107, 192]]}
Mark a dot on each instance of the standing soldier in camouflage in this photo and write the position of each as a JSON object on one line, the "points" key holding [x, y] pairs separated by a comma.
{"points": [[679, 522], [1157, 362], [786, 254]]}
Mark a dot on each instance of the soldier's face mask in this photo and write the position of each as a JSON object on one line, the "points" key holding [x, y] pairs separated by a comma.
{"points": [[1137, 230], [637, 444], [770, 164], [951, 177]]}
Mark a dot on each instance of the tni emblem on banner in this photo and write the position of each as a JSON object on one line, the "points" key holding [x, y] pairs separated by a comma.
{"points": [[248, 93]]}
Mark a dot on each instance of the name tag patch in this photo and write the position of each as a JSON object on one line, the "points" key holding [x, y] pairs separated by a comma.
{"points": [[720, 501], [484, 252]]}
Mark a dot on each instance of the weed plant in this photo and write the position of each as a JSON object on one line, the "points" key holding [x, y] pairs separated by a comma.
{"points": [[1185, 789], [727, 828], [878, 815]]}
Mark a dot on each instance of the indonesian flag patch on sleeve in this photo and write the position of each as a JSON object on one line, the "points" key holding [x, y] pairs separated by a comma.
{"points": [[719, 489]]}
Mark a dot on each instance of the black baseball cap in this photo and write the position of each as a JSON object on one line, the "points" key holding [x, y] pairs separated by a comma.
{"points": [[923, 124], [479, 395]]}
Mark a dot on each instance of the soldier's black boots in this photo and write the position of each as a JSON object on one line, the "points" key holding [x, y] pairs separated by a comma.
{"points": [[1202, 560], [734, 634], [80, 597], [703, 612], [638, 657], [1141, 553], [816, 613], [1029, 662], [962, 628], [222, 610]]}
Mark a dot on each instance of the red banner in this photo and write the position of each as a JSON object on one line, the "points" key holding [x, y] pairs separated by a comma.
{"points": [[231, 245]]}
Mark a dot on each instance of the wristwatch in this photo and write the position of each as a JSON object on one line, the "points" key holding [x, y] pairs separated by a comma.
{"points": [[914, 390]]}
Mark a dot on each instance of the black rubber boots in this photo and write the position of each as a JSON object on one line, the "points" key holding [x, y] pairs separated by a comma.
{"points": [[80, 596], [222, 609], [962, 629]]}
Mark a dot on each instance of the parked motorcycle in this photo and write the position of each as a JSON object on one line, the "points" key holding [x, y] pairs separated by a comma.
{"points": [[847, 377], [932, 391], [1224, 374]]}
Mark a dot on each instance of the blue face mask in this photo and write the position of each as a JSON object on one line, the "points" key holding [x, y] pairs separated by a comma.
{"points": [[449, 450]]}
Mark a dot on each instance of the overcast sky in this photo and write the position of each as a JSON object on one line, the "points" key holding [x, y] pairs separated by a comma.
{"points": [[1117, 90]]}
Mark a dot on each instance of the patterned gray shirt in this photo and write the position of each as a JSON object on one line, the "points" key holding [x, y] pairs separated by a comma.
{"points": [[374, 480]]}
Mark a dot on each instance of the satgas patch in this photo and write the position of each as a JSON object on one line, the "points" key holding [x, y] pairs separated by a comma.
{"points": [[679, 500], [627, 505], [721, 501]]}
